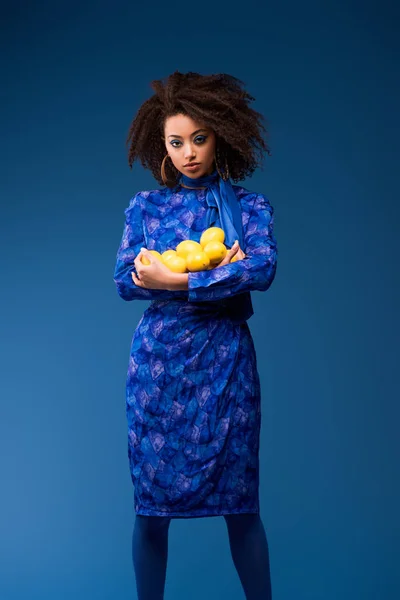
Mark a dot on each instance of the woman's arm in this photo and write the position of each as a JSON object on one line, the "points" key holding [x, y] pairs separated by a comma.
{"points": [[129, 248], [179, 281], [255, 272]]}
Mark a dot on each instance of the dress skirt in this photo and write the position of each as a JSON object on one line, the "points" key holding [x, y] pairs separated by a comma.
{"points": [[193, 413]]}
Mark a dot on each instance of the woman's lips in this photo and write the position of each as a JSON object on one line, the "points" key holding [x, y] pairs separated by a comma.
{"points": [[192, 167]]}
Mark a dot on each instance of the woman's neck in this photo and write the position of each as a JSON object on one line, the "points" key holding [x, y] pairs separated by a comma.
{"points": [[192, 188]]}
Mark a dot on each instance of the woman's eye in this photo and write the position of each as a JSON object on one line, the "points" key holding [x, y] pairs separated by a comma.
{"points": [[199, 140]]}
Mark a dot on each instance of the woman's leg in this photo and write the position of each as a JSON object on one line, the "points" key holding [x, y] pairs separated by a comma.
{"points": [[150, 553], [249, 548]]}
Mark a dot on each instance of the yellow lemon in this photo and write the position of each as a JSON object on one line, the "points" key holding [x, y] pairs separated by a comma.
{"points": [[197, 261], [234, 258], [187, 246], [216, 251], [212, 234], [146, 261], [176, 264], [165, 256]]}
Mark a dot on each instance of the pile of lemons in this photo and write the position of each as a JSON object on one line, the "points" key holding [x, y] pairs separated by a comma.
{"points": [[194, 256]]}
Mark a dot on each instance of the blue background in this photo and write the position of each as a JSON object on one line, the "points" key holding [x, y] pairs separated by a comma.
{"points": [[325, 75]]}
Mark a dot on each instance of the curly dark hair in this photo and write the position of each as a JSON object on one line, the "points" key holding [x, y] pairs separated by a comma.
{"points": [[220, 102]]}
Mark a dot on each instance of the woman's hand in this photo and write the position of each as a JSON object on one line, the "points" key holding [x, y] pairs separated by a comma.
{"points": [[155, 276], [236, 249]]}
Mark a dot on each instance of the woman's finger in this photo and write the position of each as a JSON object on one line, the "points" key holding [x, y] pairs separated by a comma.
{"points": [[138, 261], [234, 248], [136, 281]]}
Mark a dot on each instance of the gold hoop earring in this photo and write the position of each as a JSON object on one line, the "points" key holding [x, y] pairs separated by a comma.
{"points": [[166, 181], [225, 175]]}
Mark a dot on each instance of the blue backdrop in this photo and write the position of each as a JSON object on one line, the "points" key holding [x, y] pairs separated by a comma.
{"points": [[326, 333]]}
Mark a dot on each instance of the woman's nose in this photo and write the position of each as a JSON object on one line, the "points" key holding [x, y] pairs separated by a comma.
{"points": [[188, 151]]}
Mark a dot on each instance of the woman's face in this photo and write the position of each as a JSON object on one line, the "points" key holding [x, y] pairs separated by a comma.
{"points": [[189, 141]]}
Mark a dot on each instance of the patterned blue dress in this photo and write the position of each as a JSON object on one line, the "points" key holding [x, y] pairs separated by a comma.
{"points": [[192, 387]]}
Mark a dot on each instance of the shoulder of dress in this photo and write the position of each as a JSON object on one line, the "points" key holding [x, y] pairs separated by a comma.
{"points": [[156, 196], [151, 193], [244, 195], [249, 196]]}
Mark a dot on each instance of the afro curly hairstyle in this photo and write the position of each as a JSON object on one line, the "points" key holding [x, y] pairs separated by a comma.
{"points": [[220, 102]]}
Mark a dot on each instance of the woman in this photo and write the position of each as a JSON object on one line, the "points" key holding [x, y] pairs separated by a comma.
{"points": [[192, 389]]}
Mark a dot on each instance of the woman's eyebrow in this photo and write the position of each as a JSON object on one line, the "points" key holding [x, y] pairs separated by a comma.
{"points": [[178, 136]]}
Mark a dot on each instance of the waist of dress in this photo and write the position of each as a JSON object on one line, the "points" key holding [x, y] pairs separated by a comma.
{"points": [[237, 308]]}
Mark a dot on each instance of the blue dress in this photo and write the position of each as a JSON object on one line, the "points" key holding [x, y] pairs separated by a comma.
{"points": [[192, 387]]}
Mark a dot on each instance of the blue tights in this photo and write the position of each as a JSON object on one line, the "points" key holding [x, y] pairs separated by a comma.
{"points": [[248, 545]]}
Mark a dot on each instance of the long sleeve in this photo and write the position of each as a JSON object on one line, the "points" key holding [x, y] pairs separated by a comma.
{"points": [[255, 272], [131, 242]]}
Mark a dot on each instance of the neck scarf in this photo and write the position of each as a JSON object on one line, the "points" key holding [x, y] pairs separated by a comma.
{"points": [[224, 206], [222, 202]]}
